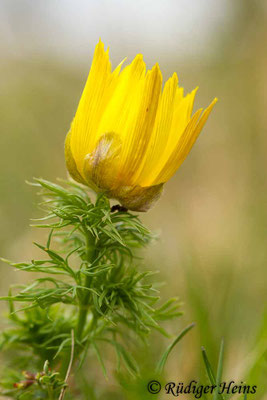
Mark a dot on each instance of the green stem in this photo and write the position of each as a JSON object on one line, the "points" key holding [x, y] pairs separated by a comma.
{"points": [[83, 311], [51, 393], [84, 302]]}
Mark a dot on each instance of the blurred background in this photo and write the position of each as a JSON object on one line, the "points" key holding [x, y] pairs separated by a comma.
{"points": [[212, 217]]}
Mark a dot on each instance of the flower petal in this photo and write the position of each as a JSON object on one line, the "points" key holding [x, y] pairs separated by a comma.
{"points": [[122, 108], [161, 129], [97, 92], [70, 162], [138, 136], [184, 144], [180, 119]]}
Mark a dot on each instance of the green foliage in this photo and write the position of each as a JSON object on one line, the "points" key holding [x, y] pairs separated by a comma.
{"points": [[41, 330], [216, 378], [88, 281], [29, 385], [166, 354]]}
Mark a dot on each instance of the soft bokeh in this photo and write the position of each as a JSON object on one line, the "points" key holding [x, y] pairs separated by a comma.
{"points": [[212, 216]]}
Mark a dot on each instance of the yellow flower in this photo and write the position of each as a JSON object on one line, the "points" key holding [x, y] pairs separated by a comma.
{"points": [[129, 137]]}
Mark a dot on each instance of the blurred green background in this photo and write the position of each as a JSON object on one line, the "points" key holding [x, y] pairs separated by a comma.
{"points": [[212, 217]]}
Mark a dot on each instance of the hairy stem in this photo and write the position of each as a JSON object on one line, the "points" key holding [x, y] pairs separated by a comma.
{"points": [[62, 393], [91, 254]]}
